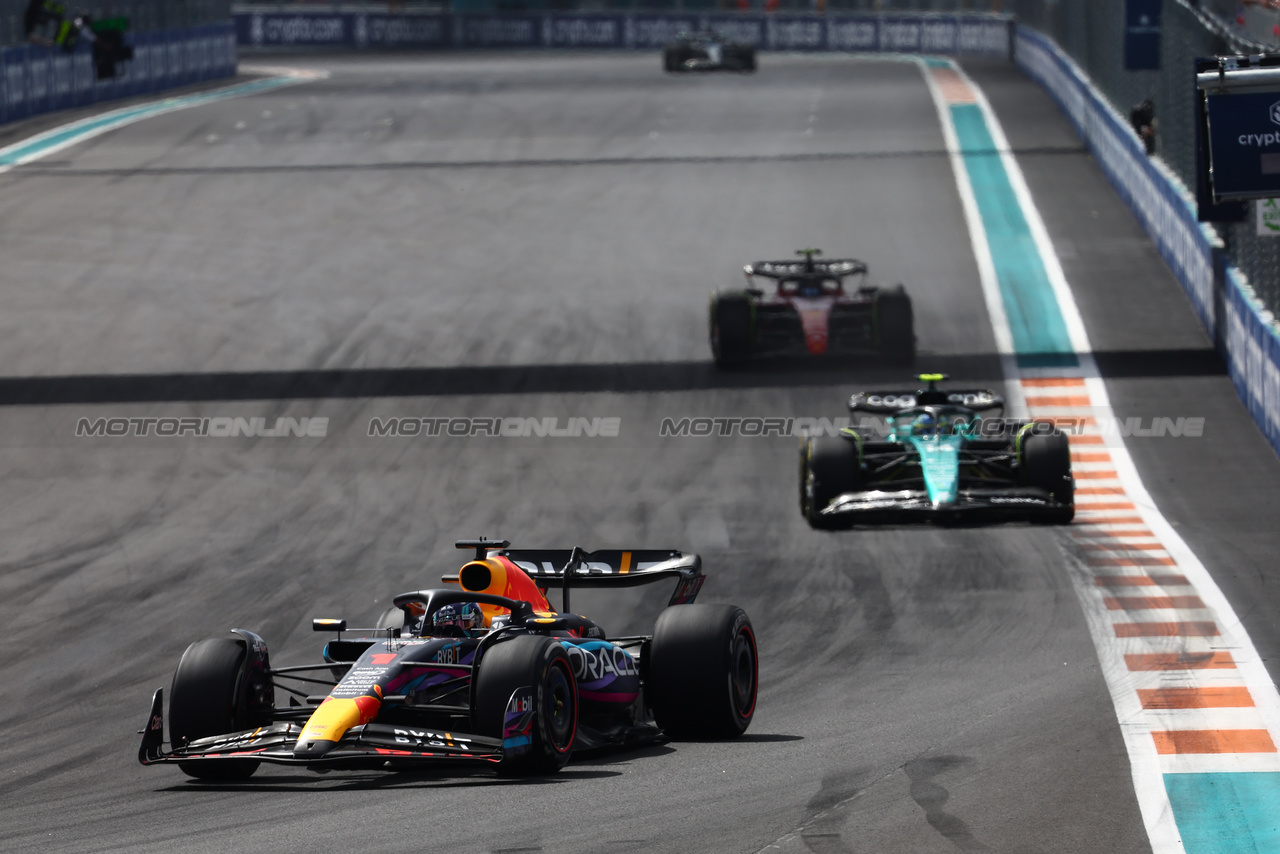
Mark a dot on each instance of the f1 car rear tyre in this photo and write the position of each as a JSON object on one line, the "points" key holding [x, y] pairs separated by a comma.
{"points": [[207, 698], [740, 58], [832, 466], [703, 671], [730, 329], [540, 662], [895, 322], [1046, 463]]}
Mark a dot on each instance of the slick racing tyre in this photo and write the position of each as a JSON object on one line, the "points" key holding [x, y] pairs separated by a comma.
{"points": [[702, 671], [1045, 462], [539, 662], [730, 329], [208, 698], [895, 323], [740, 59], [831, 466]]}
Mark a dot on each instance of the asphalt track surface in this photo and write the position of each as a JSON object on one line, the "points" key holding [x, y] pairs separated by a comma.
{"points": [[535, 235]]}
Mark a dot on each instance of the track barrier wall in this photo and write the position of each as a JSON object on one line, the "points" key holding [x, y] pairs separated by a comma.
{"points": [[35, 79], [1242, 329], [898, 33]]}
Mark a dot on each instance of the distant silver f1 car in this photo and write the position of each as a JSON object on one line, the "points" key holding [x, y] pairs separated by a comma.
{"points": [[942, 461], [707, 51]]}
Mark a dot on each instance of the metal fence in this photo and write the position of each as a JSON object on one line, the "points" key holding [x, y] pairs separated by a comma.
{"points": [[1091, 31], [144, 15]]}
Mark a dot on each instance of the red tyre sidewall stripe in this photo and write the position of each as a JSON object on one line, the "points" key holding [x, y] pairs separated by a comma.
{"points": [[755, 671], [573, 695]]}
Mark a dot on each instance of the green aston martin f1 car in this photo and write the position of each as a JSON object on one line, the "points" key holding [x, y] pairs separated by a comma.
{"points": [[946, 456]]}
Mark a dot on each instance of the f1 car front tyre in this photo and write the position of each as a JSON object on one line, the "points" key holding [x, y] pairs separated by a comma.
{"points": [[207, 698], [895, 322], [703, 671], [730, 329], [1046, 463], [831, 466], [541, 663]]}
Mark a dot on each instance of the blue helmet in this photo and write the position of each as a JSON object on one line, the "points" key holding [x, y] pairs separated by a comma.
{"points": [[924, 425], [466, 616]]}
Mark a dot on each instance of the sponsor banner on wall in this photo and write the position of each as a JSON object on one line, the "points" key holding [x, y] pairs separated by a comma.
{"points": [[1268, 212], [35, 79], [942, 34]]}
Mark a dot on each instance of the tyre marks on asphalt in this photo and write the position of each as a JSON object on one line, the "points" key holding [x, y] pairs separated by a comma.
{"points": [[932, 798], [1198, 712]]}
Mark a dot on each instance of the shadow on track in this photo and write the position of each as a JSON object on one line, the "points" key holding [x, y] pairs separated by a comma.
{"points": [[64, 168], [553, 379], [316, 783]]}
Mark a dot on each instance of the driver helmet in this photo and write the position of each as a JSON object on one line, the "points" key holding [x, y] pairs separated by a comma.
{"points": [[810, 287], [463, 615], [924, 425]]}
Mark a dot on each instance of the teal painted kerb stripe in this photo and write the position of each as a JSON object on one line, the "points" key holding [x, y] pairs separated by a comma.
{"points": [[43, 142], [1040, 336], [1226, 813]]}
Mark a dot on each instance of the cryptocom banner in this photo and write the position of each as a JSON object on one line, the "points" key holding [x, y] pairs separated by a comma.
{"points": [[1225, 304], [36, 79], [946, 34]]}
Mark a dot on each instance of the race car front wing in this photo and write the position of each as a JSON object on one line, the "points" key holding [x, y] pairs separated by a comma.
{"points": [[911, 505], [372, 745]]}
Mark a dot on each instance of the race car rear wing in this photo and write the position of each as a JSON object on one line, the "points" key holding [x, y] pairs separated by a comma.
{"points": [[607, 568], [890, 402], [837, 267], [610, 568]]}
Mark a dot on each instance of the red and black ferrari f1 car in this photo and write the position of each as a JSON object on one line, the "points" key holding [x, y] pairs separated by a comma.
{"points": [[483, 671], [810, 311]]}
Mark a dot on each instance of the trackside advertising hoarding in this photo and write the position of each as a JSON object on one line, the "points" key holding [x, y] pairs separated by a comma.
{"points": [[36, 79], [945, 34]]}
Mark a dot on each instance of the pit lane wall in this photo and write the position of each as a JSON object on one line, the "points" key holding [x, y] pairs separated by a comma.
{"points": [[1243, 331], [36, 79], [899, 33]]}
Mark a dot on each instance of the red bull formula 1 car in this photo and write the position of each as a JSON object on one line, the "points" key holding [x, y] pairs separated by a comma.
{"points": [[485, 671], [811, 312]]}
